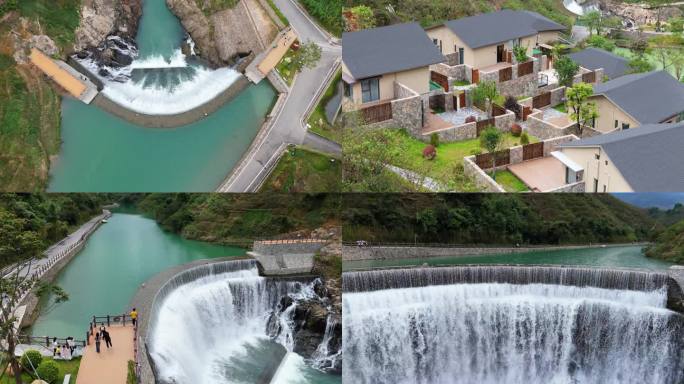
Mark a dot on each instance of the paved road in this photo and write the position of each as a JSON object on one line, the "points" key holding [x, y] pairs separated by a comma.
{"points": [[288, 127], [322, 144], [110, 366]]}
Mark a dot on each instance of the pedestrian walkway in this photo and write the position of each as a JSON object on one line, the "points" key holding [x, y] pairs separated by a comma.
{"points": [[110, 366], [78, 85]]}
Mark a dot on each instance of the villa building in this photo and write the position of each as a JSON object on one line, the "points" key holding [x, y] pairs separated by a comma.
{"points": [[386, 74], [633, 100], [487, 40], [591, 58], [647, 159]]}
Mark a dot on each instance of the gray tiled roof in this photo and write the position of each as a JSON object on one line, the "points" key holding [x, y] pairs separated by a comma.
{"points": [[500, 26], [649, 157], [594, 58], [650, 97], [394, 48]]}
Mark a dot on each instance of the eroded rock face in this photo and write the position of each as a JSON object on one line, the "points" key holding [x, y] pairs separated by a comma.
{"points": [[198, 27], [102, 18]]}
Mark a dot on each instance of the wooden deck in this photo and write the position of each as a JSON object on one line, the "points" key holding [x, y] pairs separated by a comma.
{"points": [[277, 52], [110, 366], [65, 76]]}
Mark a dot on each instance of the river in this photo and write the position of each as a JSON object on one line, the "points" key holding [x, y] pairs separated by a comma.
{"points": [[117, 258], [617, 257], [103, 153]]}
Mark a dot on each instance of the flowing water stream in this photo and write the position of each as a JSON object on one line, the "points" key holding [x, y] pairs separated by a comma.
{"points": [[474, 327]]}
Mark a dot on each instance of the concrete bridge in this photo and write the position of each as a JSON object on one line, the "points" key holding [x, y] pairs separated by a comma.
{"points": [[286, 257]]}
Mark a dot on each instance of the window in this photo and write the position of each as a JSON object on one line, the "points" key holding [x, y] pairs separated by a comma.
{"points": [[597, 156], [616, 124], [625, 125], [461, 53], [595, 185], [604, 189], [348, 90], [370, 90]]}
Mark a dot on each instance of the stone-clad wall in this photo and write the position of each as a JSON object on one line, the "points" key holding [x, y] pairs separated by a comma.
{"points": [[468, 131], [481, 178], [281, 248], [408, 113], [552, 144], [577, 187]]}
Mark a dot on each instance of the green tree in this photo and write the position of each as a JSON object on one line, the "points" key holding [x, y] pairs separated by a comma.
{"points": [[581, 109], [520, 53], [676, 24], [491, 139], [676, 60], [593, 21], [307, 56], [566, 70], [639, 64], [600, 42], [486, 92]]}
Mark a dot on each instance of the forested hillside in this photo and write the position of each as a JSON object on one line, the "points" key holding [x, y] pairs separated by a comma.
{"points": [[226, 218], [31, 223], [494, 219], [669, 245], [430, 12]]}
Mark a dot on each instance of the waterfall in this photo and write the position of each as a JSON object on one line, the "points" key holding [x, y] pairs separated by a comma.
{"points": [[209, 325], [475, 331]]}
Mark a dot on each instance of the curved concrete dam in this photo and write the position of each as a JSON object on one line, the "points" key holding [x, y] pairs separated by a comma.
{"points": [[503, 324], [212, 323]]}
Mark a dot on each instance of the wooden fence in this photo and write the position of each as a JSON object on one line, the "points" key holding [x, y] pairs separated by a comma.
{"points": [[377, 113], [541, 100], [498, 110], [589, 77], [483, 124], [484, 160], [505, 74], [533, 151], [440, 79], [525, 68]]}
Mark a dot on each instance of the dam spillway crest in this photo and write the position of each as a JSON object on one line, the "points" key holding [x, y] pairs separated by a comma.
{"points": [[508, 332], [226, 324]]}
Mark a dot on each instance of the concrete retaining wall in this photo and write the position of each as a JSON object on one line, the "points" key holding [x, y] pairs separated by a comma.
{"points": [[351, 253], [481, 178], [284, 247]]}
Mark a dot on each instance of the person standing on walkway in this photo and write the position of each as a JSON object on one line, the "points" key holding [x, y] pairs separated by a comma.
{"points": [[134, 317], [107, 339], [97, 342]]}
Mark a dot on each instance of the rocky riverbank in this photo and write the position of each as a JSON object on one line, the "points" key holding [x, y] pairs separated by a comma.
{"points": [[226, 36], [106, 33]]}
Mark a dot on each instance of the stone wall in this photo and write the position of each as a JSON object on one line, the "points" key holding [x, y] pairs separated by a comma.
{"points": [[287, 247], [458, 133], [460, 72], [481, 178], [543, 130], [407, 113], [557, 96], [551, 145], [578, 187], [352, 253]]}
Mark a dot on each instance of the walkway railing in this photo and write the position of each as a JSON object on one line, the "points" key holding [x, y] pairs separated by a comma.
{"points": [[47, 341], [307, 240], [365, 244]]}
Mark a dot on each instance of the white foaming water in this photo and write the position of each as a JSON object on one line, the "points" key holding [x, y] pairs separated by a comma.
{"points": [[192, 86], [510, 334], [205, 324]]}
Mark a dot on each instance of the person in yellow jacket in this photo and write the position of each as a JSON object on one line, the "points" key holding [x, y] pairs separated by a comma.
{"points": [[134, 317]]}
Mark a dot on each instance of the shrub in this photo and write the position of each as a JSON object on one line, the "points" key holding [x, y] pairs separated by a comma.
{"points": [[434, 140], [430, 152], [48, 371], [524, 139], [520, 53], [597, 41], [131, 379], [471, 119], [476, 151], [31, 359], [516, 130]]}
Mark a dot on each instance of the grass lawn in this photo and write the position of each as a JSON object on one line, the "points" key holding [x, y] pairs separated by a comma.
{"points": [[561, 108], [65, 367], [461, 83], [285, 67], [449, 155], [318, 122], [510, 182], [303, 170]]}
